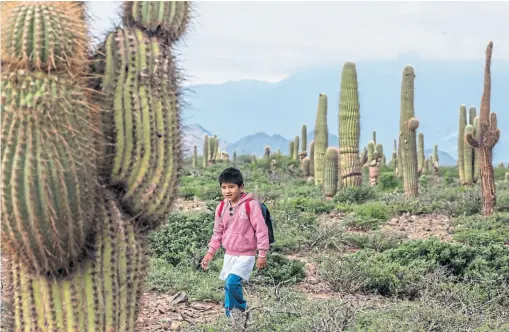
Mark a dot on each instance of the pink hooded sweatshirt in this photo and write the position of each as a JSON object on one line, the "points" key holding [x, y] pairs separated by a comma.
{"points": [[239, 234]]}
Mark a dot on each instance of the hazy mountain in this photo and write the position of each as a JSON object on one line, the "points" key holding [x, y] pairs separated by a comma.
{"points": [[256, 143], [193, 134], [235, 109]]}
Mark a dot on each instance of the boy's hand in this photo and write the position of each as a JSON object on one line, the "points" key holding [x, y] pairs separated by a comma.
{"points": [[206, 260], [261, 262]]}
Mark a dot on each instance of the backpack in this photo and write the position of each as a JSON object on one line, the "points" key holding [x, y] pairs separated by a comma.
{"points": [[265, 213]]}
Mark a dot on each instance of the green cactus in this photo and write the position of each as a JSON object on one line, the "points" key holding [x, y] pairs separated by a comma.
{"points": [[205, 150], [420, 153], [331, 172], [234, 158], [296, 148], [86, 174], [373, 161], [461, 143], [291, 149], [253, 158], [321, 138], [167, 20], [426, 167], [304, 141], [408, 126], [349, 128], [374, 136], [306, 162], [44, 36], [312, 158], [380, 151], [195, 156], [468, 173]]}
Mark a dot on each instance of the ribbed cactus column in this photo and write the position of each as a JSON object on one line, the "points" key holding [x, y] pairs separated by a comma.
{"points": [[312, 158], [373, 163], [304, 141], [380, 149], [436, 162], [408, 126], [349, 128], [195, 156], [290, 149], [468, 173], [420, 153], [205, 150], [330, 176], [321, 141], [477, 164], [488, 137], [296, 148], [305, 166], [461, 143]]}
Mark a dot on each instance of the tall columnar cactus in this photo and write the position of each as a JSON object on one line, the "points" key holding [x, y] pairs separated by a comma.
{"points": [[85, 175], [305, 166], [420, 153], [304, 142], [436, 161], [349, 128], [321, 141], [312, 158], [205, 150], [374, 136], [195, 156], [380, 150], [468, 172], [487, 138], [266, 152], [331, 172], [234, 158], [426, 166], [408, 126], [373, 163], [461, 143], [290, 149], [296, 148]]}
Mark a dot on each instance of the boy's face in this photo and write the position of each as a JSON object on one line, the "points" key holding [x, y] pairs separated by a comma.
{"points": [[231, 191]]}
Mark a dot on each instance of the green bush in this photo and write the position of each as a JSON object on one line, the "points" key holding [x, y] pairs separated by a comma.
{"points": [[355, 195]]}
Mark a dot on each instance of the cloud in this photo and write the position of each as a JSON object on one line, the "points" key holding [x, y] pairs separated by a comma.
{"points": [[269, 40]]}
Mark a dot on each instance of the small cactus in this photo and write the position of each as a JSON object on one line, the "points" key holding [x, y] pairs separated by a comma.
{"points": [[420, 153], [312, 158], [305, 166], [373, 161], [330, 178], [195, 156]]}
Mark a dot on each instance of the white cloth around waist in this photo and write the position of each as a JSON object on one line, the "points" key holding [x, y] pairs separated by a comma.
{"points": [[239, 265]]}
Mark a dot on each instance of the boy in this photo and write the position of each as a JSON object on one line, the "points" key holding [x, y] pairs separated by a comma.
{"points": [[241, 235]]}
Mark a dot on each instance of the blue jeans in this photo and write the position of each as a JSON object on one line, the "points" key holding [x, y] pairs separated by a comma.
{"points": [[233, 298]]}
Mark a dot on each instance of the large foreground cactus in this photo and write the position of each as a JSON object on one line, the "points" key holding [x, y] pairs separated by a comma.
{"points": [[407, 138], [84, 177], [487, 138], [349, 128]]}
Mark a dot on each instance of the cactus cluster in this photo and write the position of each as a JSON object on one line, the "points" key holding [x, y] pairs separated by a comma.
{"points": [[85, 174], [407, 136], [349, 128]]}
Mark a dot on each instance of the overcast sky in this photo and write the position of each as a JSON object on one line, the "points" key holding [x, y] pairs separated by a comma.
{"points": [[270, 40]]}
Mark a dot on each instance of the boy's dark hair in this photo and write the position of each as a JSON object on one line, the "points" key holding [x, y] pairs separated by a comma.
{"points": [[231, 175]]}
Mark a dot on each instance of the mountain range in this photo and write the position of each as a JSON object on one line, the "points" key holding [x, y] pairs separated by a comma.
{"points": [[247, 115]]}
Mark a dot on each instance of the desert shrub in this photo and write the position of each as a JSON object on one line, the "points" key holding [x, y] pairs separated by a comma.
{"points": [[388, 181], [482, 231], [377, 240], [355, 195], [279, 269]]}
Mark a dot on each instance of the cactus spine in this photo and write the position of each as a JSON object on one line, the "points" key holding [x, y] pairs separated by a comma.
{"points": [[304, 141], [407, 140], [321, 141], [420, 153], [88, 274], [349, 128], [488, 137], [330, 176], [195, 156]]}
